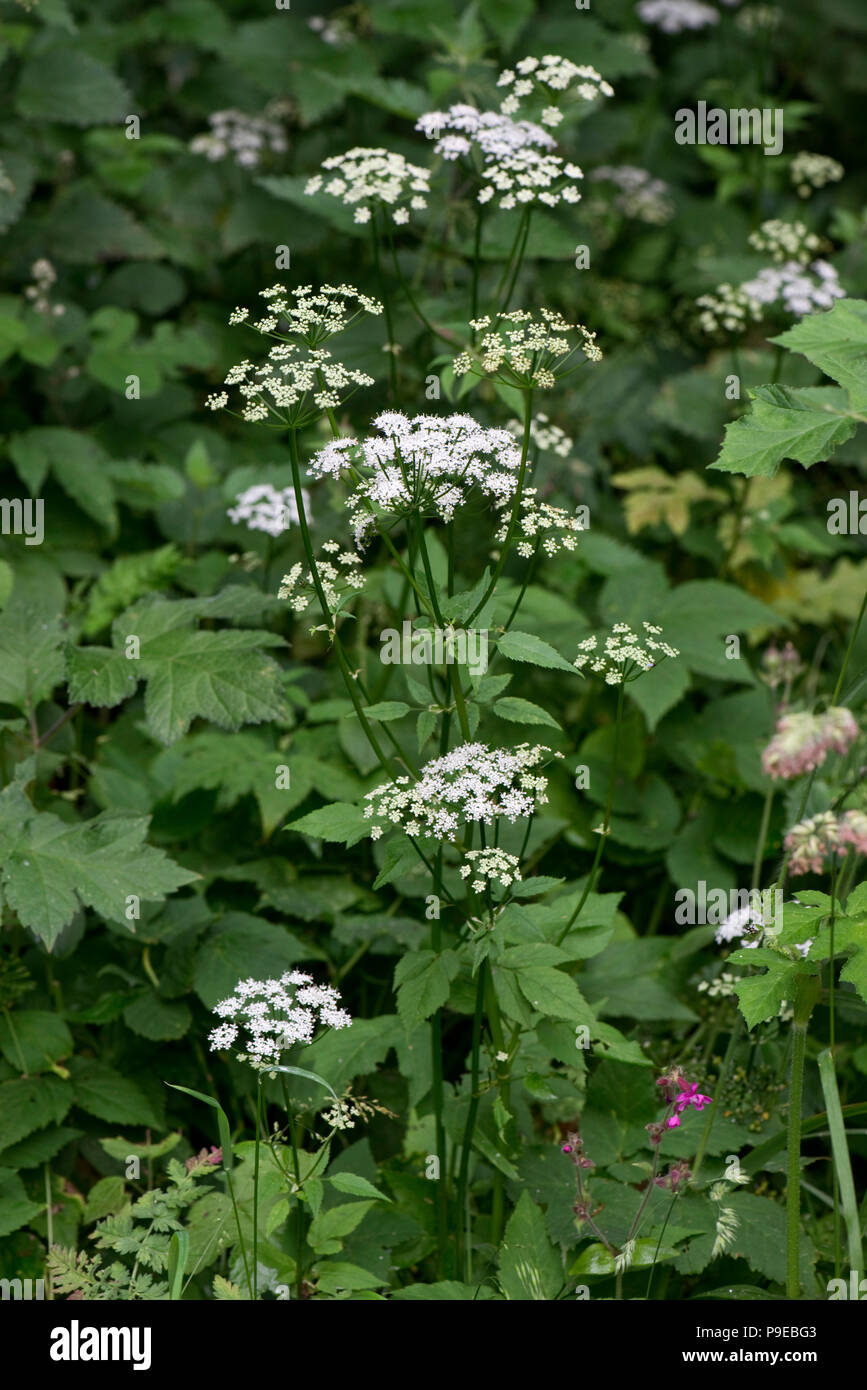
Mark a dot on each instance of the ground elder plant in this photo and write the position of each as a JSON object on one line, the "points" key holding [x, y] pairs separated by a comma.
{"points": [[432, 654]]}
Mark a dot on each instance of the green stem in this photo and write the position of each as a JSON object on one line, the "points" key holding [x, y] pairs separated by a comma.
{"points": [[516, 507], [467, 1145], [389, 328], [839, 686], [606, 822], [519, 262], [805, 998], [256, 1189]]}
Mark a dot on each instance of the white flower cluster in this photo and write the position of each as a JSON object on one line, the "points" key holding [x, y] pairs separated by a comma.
{"points": [[624, 655], [337, 584], [362, 177], [427, 464], [515, 157], [533, 350], [286, 379], [674, 16], [639, 194], [547, 438], [799, 289], [241, 136], [471, 783], [39, 293], [315, 316], [490, 866], [811, 171], [786, 241], [728, 310], [536, 78], [266, 508], [333, 30], [275, 1014], [540, 522]]}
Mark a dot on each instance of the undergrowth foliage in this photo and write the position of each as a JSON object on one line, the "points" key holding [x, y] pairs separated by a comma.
{"points": [[432, 667]]}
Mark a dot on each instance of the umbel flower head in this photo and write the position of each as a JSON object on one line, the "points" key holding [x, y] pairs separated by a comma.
{"points": [[811, 171], [803, 741], [339, 574], [786, 241], [243, 137], [266, 508], [426, 465], [542, 525], [639, 194], [270, 1016], [797, 289], [513, 160], [300, 379], [490, 866], [527, 350], [471, 783], [543, 81], [364, 178], [314, 317], [674, 16], [624, 656]]}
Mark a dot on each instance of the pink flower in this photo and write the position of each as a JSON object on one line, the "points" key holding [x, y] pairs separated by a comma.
{"points": [[803, 741], [853, 830], [680, 1094], [811, 842]]}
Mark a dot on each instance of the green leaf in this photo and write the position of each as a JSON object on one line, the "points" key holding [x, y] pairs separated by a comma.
{"points": [[16, 1208], [328, 1229], [50, 867], [806, 425], [523, 712], [100, 676], [104, 1199], [221, 676], [341, 822], [526, 646], [529, 1265], [387, 710], [108, 1094], [27, 1105], [836, 342], [422, 981], [551, 992], [63, 83], [31, 657], [356, 1186], [31, 1040], [161, 1020], [237, 947], [179, 1249], [760, 996], [595, 1259]]}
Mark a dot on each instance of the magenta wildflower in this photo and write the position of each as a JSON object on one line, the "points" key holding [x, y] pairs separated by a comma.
{"points": [[680, 1094]]}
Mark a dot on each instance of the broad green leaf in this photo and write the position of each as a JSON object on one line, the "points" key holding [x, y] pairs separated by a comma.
{"points": [[108, 1094], [16, 1208], [65, 84], [31, 1040], [784, 423], [328, 1229], [237, 947], [28, 1105], [340, 821], [760, 996], [422, 981], [836, 342], [529, 1267]]}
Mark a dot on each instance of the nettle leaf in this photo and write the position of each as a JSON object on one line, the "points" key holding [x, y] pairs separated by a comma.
{"points": [[28, 1105], [108, 1094], [65, 84], [75, 460], [526, 646], [760, 996], [242, 764], [31, 656], [223, 676], [806, 425], [422, 981], [16, 1208], [836, 342], [530, 1267], [51, 867]]}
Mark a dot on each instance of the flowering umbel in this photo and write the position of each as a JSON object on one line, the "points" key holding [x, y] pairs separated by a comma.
{"points": [[624, 656], [274, 1015], [527, 350]]}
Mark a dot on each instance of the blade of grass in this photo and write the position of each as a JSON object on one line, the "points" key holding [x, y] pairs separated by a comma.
{"points": [[842, 1163]]}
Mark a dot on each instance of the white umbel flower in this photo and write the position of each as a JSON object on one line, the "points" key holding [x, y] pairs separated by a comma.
{"points": [[266, 508], [675, 16], [426, 465], [514, 160], [472, 783], [624, 655], [366, 178], [526, 350], [267, 1017]]}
